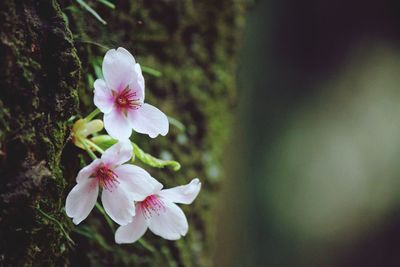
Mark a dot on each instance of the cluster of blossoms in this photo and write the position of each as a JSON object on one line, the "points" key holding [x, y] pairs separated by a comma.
{"points": [[130, 195]]}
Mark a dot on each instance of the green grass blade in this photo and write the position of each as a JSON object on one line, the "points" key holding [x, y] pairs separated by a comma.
{"points": [[91, 11], [107, 3]]}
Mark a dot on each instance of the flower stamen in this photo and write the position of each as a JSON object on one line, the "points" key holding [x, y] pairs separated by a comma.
{"points": [[152, 205], [106, 177], [127, 99]]}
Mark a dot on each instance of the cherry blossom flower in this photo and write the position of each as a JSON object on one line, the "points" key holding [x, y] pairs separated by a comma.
{"points": [[120, 96], [159, 212], [121, 185]]}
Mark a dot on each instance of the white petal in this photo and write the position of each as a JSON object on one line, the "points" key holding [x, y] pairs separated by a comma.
{"points": [[137, 181], [132, 231], [103, 97], [149, 120], [157, 186], [81, 200], [117, 125], [184, 194], [138, 83], [87, 171], [118, 153], [118, 204], [170, 224], [118, 68]]}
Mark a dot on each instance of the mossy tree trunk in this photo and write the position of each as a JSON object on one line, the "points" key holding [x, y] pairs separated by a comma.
{"points": [[39, 74], [192, 43]]}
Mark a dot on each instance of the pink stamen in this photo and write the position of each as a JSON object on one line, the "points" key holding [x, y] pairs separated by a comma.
{"points": [[127, 99], [152, 205], [106, 177]]}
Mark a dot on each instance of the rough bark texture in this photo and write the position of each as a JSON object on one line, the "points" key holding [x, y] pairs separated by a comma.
{"points": [[193, 44], [39, 75]]}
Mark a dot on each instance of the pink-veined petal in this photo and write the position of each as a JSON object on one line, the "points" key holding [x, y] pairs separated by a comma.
{"points": [[118, 68], [81, 200], [103, 97], [184, 194], [118, 153], [137, 181], [171, 223], [118, 204], [134, 230], [149, 120], [117, 125], [87, 171]]}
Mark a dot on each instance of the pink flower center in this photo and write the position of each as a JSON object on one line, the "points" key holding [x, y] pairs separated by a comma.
{"points": [[152, 205], [106, 177], [127, 99]]}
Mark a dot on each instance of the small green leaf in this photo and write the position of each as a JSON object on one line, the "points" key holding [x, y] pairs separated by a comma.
{"points": [[107, 3], [65, 18], [154, 162], [91, 11], [176, 123], [90, 79], [151, 71], [71, 119], [97, 71]]}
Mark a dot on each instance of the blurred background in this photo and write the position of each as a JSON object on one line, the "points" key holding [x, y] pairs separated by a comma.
{"points": [[313, 169]]}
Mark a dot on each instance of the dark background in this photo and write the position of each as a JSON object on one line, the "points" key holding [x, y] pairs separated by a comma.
{"points": [[315, 173]]}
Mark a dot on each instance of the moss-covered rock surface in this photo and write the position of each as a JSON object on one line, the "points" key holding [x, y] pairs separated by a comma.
{"points": [[50, 52]]}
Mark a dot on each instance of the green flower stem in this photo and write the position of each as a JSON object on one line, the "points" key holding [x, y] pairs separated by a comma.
{"points": [[92, 144], [103, 212], [92, 114], [146, 245], [88, 150]]}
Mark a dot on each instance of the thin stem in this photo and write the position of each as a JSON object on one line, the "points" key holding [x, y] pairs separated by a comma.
{"points": [[92, 144], [102, 211], [57, 223], [92, 114], [80, 40], [146, 245], [88, 150], [151, 71], [93, 236]]}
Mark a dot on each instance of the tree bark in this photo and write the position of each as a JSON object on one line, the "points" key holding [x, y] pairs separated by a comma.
{"points": [[39, 75]]}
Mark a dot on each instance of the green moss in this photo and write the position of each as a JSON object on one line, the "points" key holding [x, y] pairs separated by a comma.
{"points": [[39, 76]]}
